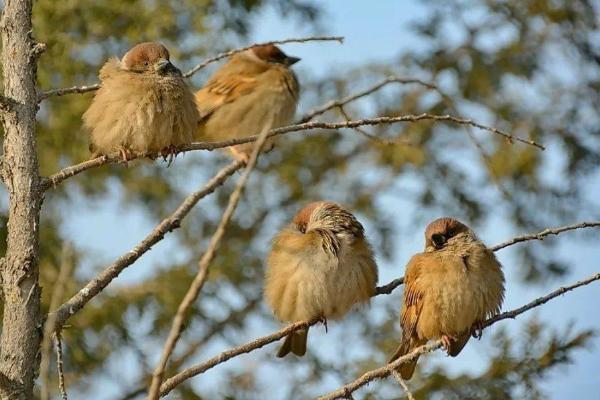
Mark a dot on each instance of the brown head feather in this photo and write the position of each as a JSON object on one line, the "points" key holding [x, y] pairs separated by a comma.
{"points": [[442, 229], [144, 55], [302, 218], [330, 216], [273, 54]]}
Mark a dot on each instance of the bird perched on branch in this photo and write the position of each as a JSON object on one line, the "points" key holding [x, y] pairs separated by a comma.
{"points": [[450, 289], [143, 105], [319, 266], [254, 91]]}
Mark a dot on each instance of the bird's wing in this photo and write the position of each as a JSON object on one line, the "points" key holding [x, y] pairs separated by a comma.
{"points": [[223, 89], [413, 298]]}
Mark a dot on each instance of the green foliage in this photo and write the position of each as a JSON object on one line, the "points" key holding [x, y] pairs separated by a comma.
{"points": [[478, 72]]}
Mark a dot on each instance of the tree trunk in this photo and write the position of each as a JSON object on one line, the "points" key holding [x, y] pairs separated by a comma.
{"points": [[22, 319]]}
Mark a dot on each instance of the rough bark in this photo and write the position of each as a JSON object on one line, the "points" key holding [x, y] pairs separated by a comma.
{"points": [[22, 319]]}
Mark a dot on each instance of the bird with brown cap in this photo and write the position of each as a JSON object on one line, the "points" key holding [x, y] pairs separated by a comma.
{"points": [[450, 288], [255, 90], [320, 266], [143, 106]]}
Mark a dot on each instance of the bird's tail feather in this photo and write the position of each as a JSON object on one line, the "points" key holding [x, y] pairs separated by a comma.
{"points": [[295, 342], [457, 345], [407, 369]]}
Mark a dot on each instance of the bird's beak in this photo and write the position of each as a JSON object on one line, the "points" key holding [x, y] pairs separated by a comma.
{"points": [[289, 60], [164, 67]]}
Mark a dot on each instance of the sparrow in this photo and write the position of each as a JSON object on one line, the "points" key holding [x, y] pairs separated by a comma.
{"points": [[319, 266], [254, 91], [142, 106], [450, 289]]}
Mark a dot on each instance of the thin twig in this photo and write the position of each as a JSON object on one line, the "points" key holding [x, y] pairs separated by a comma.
{"points": [[58, 177], [215, 329], [386, 370], [393, 79], [59, 366], [73, 170], [370, 136], [65, 173], [549, 231], [389, 288], [203, 266], [172, 382], [66, 266], [90, 88], [70, 90], [402, 383], [172, 222], [226, 54], [188, 373], [353, 97]]}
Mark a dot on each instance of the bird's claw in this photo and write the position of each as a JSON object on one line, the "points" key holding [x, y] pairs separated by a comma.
{"points": [[323, 320], [169, 154], [125, 156], [447, 342], [477, 330]]}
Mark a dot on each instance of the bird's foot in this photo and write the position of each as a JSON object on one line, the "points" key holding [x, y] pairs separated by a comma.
{"points": [[169, 154], [447, 342], [125, 156], [323, 320], [477, 330]]}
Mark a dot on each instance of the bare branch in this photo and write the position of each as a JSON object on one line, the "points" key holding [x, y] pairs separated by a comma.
{"points": [[65, 173], [541, 235], [78, 168], [376, 139], [203, 265], [215, 329], [90, 88], [70, 90], [226, 54], [540, 300], [353, 97], [389, 288], [59, 366], [388, 369], [66, 266], [172, 382], [393, 79], [167, 225]]}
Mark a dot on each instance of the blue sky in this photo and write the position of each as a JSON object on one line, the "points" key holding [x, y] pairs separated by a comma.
{"points": [[378, 31]]}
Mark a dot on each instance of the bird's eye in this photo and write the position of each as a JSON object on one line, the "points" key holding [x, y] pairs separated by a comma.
{"points": [[302, 228], [146, 63], [438, 240]]}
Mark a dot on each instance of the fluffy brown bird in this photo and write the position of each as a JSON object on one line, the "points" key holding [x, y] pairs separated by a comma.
{"points": [[450, 288], [143, 105], [319, 266], [254, 91]]}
